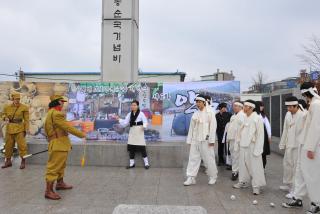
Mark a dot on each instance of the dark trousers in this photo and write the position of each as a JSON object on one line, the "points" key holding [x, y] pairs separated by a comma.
{"points": [[132, 149], [264, 160], [221, 149]]}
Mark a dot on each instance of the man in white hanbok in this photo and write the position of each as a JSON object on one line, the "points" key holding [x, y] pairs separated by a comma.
{"points": [[251, 148], [289, 142], [233, 132], [201, 138], [310, 155], [299, 187]]}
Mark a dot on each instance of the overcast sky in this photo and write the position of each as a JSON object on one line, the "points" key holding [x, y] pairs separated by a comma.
{"points": [[196, 37]]}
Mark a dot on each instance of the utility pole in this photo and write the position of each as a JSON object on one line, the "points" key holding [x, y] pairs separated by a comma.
{"points": [[21, 75]]}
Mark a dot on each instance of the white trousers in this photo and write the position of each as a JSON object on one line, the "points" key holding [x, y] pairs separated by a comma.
{"points": [[311, 173], [235, 154], [289, 165], [251, 167], [300, 187], [198, 151]]}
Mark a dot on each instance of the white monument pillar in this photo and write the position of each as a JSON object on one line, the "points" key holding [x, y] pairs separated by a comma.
{"points": [[120, 37]]}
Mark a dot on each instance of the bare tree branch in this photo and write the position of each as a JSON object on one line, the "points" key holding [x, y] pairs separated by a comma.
{"points": [[258, 81], [311, 55]]}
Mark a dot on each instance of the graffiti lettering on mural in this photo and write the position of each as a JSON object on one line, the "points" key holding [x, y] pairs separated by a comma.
{"points": [[138, 87], [182, 99], [161, 96], [110, 87]]}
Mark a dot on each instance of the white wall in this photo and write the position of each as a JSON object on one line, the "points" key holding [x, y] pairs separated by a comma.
{"points": [[255, 97], [164, 78], [63, 78], [97, 78], [208, 78]]}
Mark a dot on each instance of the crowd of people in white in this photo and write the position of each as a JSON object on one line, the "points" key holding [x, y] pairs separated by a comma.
{"points": [[248, 135]]}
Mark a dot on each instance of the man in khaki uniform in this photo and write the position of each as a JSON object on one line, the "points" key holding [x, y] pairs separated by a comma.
{"points": [[16, 117], [57, 129]]}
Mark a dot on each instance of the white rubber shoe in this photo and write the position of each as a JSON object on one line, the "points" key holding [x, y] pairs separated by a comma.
{"points": [[240, 185], [212, 181], [256, 190], [190, 181]]}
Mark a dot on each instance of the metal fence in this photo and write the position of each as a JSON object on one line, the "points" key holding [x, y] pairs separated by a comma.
{"points": [[275, 108]]}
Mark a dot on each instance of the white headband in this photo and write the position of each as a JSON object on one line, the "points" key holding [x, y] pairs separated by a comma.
{"points": [[301, 107], [250, 104], [238, 104], [201, 99], [312, 91], [292, 103], [309, 89]]}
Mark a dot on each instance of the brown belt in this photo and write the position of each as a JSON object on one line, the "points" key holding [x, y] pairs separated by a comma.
{"points": [[56, 137], [16, 121]]}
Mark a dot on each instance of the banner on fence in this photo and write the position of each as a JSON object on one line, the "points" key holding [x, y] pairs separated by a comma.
{"points": [[92, 107]]}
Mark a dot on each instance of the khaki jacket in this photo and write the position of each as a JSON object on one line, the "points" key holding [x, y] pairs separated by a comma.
{"points": [[18, 116], [57, 129]]}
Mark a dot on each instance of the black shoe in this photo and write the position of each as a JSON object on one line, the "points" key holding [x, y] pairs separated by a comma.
{"points": [[294, 203], [229, 167], [129, 167], [313, 209], [234, 176], [147, 167]]}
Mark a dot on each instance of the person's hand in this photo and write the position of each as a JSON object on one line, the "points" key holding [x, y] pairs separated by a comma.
{"points": [[84, 135], [211, 144], [269, 140], [116, 117], [84, 140], [310, 155]]}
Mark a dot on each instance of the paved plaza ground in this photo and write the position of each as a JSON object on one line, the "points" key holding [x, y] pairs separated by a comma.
{"points": [[101, 189]]}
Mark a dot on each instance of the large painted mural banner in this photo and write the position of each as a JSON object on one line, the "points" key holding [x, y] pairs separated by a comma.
{"points": [[93, 107]]}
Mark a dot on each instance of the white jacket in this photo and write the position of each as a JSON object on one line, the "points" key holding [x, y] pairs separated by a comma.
{"points": [[252, 131], [292, 135], [202, 127], [235, 124], [312, 126]]}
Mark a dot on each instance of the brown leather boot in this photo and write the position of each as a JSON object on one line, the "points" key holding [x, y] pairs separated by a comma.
{"points": [[51, 187], [23, 163], [50, 194], [61, 185], [7, 163]]}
